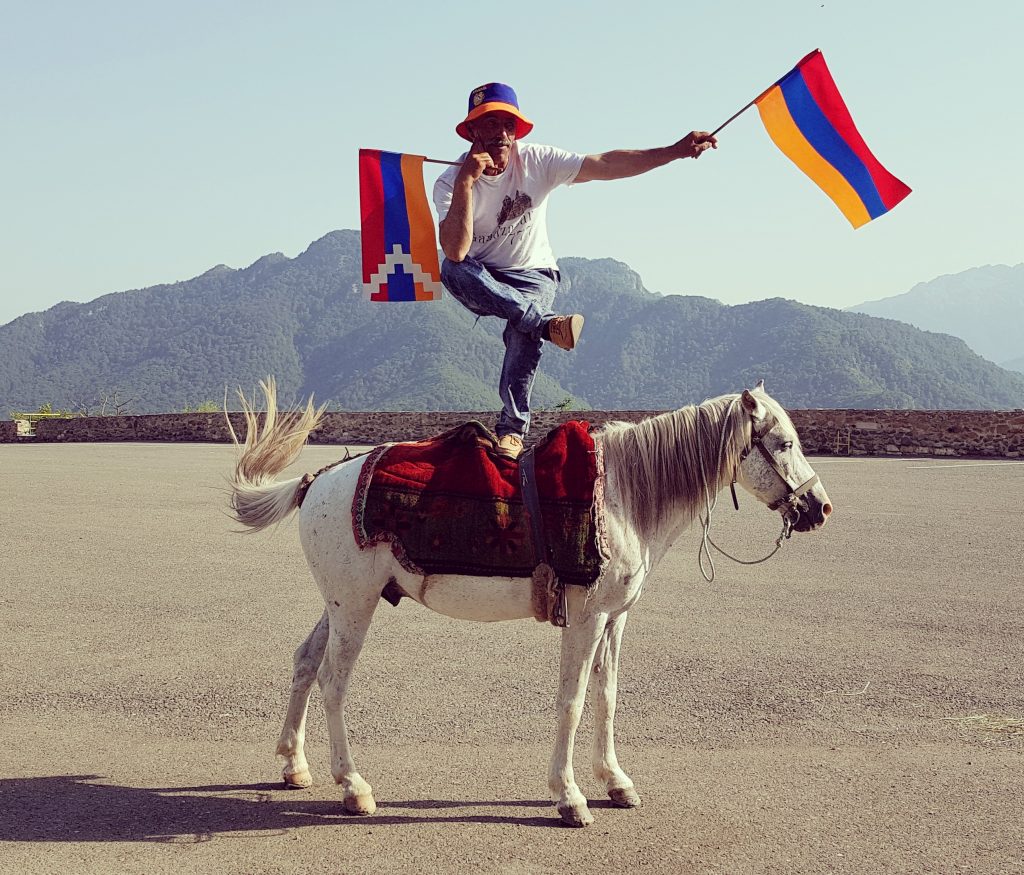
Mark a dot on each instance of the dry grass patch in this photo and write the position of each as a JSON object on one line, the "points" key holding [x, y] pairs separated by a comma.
{"points": [[991, 723]]}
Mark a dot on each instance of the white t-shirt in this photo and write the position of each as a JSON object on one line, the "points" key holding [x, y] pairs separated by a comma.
{"points": [[510, 230]]}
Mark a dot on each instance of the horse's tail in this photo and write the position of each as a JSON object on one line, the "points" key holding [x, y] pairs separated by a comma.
{"points": [[257, 499]]}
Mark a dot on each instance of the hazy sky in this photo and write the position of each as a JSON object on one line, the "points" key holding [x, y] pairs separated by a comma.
{"points": [[145, 142]]}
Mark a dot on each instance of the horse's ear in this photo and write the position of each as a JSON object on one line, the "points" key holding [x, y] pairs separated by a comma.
{"points": [[754, 407], [760, 385]]}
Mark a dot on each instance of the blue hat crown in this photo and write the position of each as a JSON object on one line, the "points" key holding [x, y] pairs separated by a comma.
{"points": [[492, 92], [493, 97]]}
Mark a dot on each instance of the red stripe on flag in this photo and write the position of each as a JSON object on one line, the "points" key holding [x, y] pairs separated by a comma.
{"points": [[825, 93], [371, 210]]}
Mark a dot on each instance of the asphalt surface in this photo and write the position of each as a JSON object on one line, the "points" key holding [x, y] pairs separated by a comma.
{"points": [[809, 714]]}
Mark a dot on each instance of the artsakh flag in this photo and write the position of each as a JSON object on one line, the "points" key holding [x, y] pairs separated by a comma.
{"points": [[399, 243], [805, 115]]}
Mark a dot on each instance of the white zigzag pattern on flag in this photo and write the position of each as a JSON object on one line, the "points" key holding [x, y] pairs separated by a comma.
{"points": [[396, 257]]}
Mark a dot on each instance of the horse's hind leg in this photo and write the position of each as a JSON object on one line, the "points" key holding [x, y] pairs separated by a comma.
{"points": [[293, 735], [606, 682], [348, 625]]}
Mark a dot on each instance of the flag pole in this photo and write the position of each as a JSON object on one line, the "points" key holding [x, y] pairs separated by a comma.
{"points": [[735, 116], [756, 99], [439, 161]]}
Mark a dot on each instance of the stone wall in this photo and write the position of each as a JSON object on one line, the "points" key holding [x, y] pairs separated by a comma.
{"points": [[912, 432], [997, 434]]}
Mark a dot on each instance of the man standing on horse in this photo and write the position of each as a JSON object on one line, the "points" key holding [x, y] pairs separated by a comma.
{"points": [[492, 213]]}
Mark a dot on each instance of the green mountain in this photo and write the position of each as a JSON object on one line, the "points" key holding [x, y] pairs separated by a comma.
{"points": [[984, 306], [305, 321], [662, 349]]}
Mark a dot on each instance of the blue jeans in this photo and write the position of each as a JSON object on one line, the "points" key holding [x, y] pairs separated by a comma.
{"points": [[523, 299]]}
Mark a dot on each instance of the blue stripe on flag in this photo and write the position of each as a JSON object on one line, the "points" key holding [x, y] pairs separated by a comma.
{"points": [[827, 142], [396, 224]]}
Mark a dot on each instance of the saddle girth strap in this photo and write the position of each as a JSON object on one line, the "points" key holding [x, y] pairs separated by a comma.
{"points": [[547, 588]]}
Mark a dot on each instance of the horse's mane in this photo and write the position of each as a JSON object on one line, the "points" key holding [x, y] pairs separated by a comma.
{"points": [[660, 463]]}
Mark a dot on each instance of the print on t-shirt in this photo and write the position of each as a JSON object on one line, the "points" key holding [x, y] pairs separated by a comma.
{"points": [[513, 209]]}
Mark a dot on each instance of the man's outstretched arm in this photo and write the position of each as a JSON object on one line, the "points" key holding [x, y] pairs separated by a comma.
{"points": [[632, 162]]}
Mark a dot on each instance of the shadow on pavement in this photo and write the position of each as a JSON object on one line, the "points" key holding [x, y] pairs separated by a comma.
{"points": [[80, 808]]}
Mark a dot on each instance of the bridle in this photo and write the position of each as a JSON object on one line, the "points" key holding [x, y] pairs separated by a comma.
{"points": [[790, 500], [795, 493]]}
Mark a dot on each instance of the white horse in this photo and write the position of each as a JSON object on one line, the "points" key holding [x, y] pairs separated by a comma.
{"points": [[660, 475]]}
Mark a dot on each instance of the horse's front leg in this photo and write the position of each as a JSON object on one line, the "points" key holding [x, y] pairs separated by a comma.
{"points": [[579, 643], [293, 734], [605, 690]]}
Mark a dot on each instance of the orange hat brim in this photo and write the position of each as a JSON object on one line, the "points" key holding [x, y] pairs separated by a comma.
{"points": [[523, 124]]}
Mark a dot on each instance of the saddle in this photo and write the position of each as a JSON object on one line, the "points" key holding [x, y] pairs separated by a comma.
{"points": [[451, 505]]}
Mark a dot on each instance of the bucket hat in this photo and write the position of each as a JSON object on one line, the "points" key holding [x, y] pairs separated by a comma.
{"points": [[493, 97]]}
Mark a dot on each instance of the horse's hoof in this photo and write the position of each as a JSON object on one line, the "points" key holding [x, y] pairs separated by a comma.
{"points": [[298, 780], [362, 806], [624, 797], [575, 815]]}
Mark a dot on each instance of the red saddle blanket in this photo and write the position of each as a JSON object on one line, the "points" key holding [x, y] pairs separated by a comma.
{"points": [[450, 505]]}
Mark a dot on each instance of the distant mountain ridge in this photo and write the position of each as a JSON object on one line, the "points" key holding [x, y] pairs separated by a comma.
{"points": [[305, 320], [984, 306], [1016, 364]]}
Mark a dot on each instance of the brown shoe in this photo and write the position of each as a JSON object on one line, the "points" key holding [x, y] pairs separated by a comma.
{"points": [[564, 331], [509, 446]]}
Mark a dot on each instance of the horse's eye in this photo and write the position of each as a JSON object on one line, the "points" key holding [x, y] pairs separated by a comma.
{"points": [[788, 445]]}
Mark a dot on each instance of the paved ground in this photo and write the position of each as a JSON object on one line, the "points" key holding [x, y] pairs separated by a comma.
{"points": [[805, 715]]}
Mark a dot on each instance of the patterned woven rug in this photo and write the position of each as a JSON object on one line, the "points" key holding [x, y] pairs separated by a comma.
{"points": [[449, 505]]}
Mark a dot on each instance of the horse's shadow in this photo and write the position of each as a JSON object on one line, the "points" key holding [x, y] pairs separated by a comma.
{"points": [[81, 808]]}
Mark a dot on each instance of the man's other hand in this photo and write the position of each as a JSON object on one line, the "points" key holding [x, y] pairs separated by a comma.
{"points": [[477, 162]]}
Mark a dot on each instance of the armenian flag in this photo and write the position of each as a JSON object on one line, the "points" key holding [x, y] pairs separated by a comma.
{"points": [[807, 119], [399, 242]]}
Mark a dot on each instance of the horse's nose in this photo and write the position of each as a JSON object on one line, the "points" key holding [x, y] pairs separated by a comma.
{"points": [[817, 512], [824, 509]]}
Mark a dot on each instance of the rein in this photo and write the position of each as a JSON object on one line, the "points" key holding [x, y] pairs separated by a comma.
{"points": [[790, 498]]}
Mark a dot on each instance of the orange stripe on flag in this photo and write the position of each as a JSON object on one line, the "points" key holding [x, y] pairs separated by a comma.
{"points": [[422, 237], [793, 144]]}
